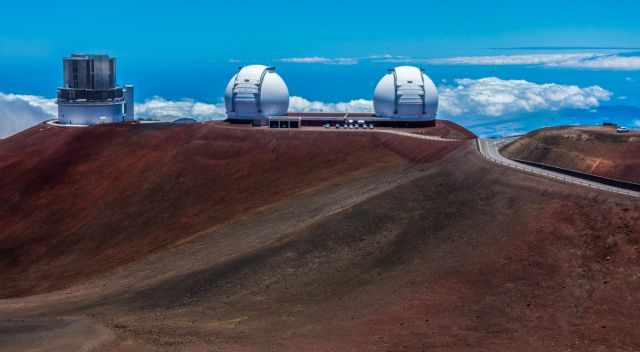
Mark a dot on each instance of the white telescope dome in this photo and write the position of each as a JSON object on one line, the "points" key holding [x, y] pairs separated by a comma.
{"points": [[406, 93], [256, 91]]}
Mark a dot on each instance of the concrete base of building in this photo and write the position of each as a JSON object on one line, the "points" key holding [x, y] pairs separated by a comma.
{"points": [[321, 119], [91, 113], [58, 124], [407, 124]]}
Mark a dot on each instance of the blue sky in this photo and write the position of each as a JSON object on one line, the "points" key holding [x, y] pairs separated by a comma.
{"points": [[502, 67], [220, 30]]}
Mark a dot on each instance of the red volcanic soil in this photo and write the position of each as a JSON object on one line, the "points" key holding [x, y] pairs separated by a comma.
{"points": [[595, 150], [432, 249], [78, 202]]}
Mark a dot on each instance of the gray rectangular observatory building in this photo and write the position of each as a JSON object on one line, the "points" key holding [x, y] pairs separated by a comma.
{"points": [[89, 72], [90, 94]]}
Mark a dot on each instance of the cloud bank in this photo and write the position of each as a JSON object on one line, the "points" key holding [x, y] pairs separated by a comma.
{"points": [[300, 104], [596, 61], [582, 60], [496, 97], [321, 60], [608, 62], [532, 59], [486, 99], [160, 109], [344, 60], [491, 97], [19, 112]]}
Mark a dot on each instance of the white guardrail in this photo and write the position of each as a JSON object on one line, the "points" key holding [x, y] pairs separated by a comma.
{"points": [[490, 151]]}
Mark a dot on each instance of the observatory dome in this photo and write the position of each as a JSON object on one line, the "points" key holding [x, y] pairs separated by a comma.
{"points": [[406, 93], [256, 91]]}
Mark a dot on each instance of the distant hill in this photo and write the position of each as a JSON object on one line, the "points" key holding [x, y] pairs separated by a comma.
{"points": [[596, 150]]}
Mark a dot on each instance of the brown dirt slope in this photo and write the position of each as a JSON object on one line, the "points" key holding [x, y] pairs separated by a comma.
{"points": [[462, 255], [79, 202], [595, 150], [467, 257]]}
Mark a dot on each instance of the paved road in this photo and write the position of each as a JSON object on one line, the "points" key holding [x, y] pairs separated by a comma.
{"points": [[490, 150]]}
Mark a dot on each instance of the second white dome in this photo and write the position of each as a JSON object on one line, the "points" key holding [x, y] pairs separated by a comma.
{"points": [[406, 93]]}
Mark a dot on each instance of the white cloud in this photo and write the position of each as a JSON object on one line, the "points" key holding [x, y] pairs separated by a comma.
{"points": [[603, 62], [581, 60], [18, 112], [321, 60], [158, 108], [496, 97], [533, 59], [387, 58], [346, 60], [597, 61], [300, 104]]}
